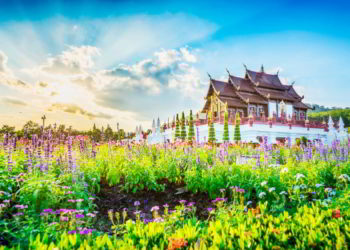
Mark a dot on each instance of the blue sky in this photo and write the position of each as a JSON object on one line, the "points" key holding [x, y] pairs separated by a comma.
{"points": [[103, 62]]}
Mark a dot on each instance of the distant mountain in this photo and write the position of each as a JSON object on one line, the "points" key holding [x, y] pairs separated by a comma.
{"points": [[321, 113], [320, 108]]}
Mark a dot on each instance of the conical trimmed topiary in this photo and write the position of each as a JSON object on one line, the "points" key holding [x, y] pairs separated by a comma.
{"points": [[237, 135], [191, 134], [226, 136], [183, 127], [177, 129], [211, 136]]}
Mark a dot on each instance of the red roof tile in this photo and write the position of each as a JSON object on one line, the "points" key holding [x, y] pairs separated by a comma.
{"points": [[265, 80], [233, 102]]}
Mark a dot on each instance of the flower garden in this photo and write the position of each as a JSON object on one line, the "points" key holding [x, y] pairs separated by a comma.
{"points": [[61, 192]]}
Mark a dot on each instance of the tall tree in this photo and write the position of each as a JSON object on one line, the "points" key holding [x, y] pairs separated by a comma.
{"points": [[211, 136], [177, 129], [108, 133], [191, 134], [183, 127], [7, 129], [237, 135], [226, 136]]}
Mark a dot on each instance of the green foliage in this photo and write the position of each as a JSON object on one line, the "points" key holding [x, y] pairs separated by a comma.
{"points": [[237, 135], [183, 127], [7, 129], [177, 128], [228, 227], [211, 130], [226, 136], [191, 134], [335, 114]]}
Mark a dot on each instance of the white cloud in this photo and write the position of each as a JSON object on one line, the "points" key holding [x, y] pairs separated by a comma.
{"points": [[13, 101], [76, 109], [166, 69], [73, 61], [7, 77], [3, 63]]}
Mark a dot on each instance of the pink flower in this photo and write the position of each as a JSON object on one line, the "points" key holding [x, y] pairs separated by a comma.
{"points": [[155, 208], [191, 204], [64, 218], [78, 216]]}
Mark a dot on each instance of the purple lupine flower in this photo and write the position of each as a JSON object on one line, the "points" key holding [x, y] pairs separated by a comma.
{"points": [[182, 201], [197, 137], [258, 163], [48, 210], [146, 221], [136, 203], [72, 232], [210, 209], [166, 205]]}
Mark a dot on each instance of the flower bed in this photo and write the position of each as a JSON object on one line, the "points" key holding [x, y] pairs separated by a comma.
{"points": [[56, 193]]}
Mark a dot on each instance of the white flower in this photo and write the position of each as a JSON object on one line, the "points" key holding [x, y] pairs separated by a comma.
{"points": [[285, 170], [249, 202], [298, 176], [263, 183], [303, 186], [272, 189], [296, 187], [344, 177], [283, 193], [328, 190], [319, 185], [262, 194]]}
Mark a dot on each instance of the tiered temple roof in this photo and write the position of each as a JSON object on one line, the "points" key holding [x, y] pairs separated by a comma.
{"points": [[254, 88]]}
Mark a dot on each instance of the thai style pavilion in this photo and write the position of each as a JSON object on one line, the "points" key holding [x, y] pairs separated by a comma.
{"points": [[266, 107], [257, 94]]}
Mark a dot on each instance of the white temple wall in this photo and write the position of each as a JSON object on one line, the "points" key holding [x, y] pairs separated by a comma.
{"points": [[250, 133], [272, 108]]}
